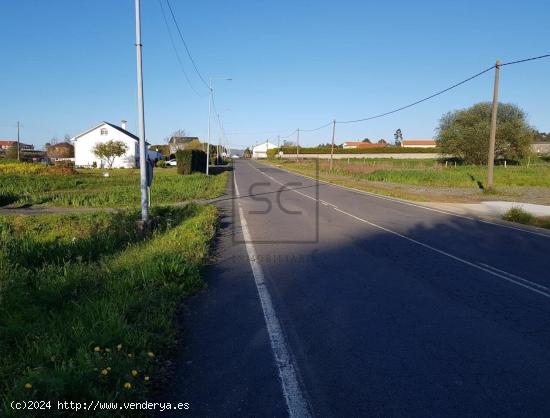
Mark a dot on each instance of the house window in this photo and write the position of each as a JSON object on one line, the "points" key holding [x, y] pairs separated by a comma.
{"points": [[103, 131]]}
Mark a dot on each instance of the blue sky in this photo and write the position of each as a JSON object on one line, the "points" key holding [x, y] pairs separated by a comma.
{"points": [[68, 64]]}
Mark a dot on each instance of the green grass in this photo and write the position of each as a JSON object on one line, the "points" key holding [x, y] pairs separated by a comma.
{"points": [[89, 188], [69, 284], [521, 216], [430, 173]]}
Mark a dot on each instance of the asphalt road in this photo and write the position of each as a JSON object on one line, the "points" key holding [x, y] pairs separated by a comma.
{"points": [[340, 303]]}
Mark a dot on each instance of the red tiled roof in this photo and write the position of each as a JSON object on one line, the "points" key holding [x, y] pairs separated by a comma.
{"points": [[8, 142]]}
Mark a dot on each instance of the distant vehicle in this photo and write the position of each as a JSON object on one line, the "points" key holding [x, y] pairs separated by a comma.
{"points": [[235, 156], [172, 163]]}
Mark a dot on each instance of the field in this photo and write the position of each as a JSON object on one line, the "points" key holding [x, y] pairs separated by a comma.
{"points": [[432, 180], [33, 184], [87, 304]]}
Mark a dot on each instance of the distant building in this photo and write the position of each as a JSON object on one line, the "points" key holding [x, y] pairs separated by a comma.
{"points": [[5, 144], [418, 143], [541, 147], [85, 142], [180, 142], [260, 150], [361, 145]]}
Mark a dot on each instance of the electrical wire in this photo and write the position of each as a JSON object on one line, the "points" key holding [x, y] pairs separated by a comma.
{"points": [[185, 44], [177, 53], [317, 129], [525, 60], [421, 100]]}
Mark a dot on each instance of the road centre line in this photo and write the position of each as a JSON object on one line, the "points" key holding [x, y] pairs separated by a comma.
{"points": [[520, 281], [404, 202]]}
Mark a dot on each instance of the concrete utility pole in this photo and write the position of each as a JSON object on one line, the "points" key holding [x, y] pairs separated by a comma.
{"points": [[209, 113], [492, 138], [18, 146], [141, 125], [210, 91], [332, 146], [297, 144]]}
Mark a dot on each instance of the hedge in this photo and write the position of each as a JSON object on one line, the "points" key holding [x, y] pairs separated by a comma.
{"points": [[338, 150], [190, 161]]}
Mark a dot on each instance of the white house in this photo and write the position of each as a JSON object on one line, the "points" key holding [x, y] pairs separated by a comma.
{"points": [[260, 150], [104, 132]]}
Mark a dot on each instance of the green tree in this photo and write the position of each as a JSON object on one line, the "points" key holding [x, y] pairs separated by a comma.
{"points": [[465, 133], [110, 150], [11, 153], [366, 140]]}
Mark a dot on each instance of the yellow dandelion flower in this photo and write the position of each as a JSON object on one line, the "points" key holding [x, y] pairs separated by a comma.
{"points": [[151, 354], [130, 355], [104, 372], [28, 386], [127, 386], [134, 373], [119, 347], [146, 378], [108, 368], [97, 349], [108, 350]]}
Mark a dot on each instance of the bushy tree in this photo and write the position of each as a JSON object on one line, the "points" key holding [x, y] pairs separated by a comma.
{"points": [[62, 150], [11, 152], [465, 133], [110, 150]]}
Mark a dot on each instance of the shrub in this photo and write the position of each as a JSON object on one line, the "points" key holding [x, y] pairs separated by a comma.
{"points": [[183, 160], [189, 161]]}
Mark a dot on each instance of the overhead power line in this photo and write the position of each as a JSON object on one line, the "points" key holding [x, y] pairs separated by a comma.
{"points": [[177, 53], [316, 129], [525, 60], [185, 44], [421, 100]]}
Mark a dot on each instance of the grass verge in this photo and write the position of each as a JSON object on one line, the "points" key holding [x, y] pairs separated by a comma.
{"points": [[430, 180], [87, 307], [523, 217], [90, 188]]}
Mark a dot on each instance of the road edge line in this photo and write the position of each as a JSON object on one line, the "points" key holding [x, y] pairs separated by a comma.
{"points": [[295, 400]]}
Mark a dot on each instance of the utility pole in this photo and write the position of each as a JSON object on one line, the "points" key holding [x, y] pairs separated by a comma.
{"points": [[209, 112], [492, 138], [278, 146], [298, 144], [18, 146], [141, 125], [219, 140], [332, 146]]}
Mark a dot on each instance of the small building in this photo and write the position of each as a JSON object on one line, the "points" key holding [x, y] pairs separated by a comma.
{"points": [[180, 142], [85, 142], [418, 143], [7, 143], [362, 145], [260, 150]]}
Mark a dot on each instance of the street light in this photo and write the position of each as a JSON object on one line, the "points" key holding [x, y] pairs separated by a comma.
{"points": [[209, 113]]}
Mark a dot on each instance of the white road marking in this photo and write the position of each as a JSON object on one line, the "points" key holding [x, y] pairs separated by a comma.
{"points": [[295, 400], [405, 202], [512, 278]]}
